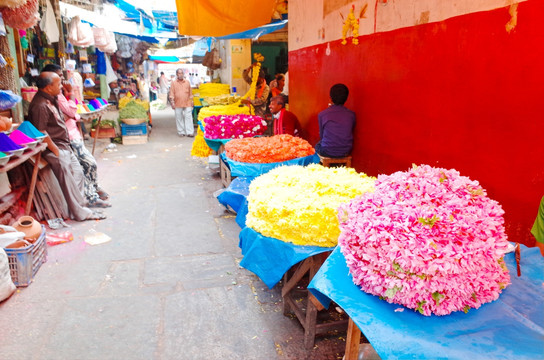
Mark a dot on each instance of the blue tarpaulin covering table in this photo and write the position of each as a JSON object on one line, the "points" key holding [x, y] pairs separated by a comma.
{"points": [[236, 193], [511, 327], [270, 258]]}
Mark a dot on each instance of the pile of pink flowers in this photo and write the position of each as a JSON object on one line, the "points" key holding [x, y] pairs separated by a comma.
{"points": [[428, 239], [233, 126]]}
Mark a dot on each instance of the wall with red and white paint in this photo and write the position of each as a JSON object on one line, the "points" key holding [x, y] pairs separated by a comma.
{"points": [[450, 84]]}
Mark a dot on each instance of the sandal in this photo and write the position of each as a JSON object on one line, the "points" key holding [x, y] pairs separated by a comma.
{"points": [[96, 216], [102, 194]]}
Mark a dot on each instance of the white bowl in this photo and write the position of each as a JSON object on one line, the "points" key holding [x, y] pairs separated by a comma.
{"points": [[4, 160], [31, 145], [18, 152]]}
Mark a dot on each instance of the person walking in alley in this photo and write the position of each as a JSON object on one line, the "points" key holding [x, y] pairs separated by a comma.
{"points": [[181, 99], [164, 84]]}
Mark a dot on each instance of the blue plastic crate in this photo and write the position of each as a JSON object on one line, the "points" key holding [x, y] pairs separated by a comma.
{"points": [[128, 130]]}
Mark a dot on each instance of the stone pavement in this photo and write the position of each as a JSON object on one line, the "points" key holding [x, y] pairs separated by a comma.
{"points": [[167, 285]]}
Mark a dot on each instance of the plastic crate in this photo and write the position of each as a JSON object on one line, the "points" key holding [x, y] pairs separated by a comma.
{"points": [[25, 262], [134, 130]]}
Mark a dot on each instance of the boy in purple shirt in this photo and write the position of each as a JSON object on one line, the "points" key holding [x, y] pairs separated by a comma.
{"points": [[336, 125]]}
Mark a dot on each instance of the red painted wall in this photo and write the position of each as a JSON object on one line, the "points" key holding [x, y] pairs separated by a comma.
{"points": [[461, 93]]}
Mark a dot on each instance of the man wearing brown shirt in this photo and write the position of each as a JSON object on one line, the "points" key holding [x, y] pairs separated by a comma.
{"points": [[44, 114], [181, 98]]}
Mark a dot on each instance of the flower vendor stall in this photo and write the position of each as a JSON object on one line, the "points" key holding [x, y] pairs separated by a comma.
{"points": [[220, 129], [295, 206], [508, 328], [257, 156], [199, 147], [427, 239]]}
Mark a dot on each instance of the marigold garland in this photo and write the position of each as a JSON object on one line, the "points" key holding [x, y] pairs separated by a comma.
{"points": [[272, 149], [428, 239], [299, 204], [232, 109], [199, 147]]}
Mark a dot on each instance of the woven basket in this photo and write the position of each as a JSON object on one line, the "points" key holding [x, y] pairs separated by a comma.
{"points": [[133, 121]]}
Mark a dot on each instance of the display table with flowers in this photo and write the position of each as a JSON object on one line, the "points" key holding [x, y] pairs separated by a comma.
{"points": [[508, 328], [292, 224], [257, 156], [220, 129], [431, 242]]}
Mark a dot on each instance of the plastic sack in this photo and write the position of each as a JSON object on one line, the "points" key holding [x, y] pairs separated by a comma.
{"points": [[80, 34], [8, 99], [49, 24], [99, 35], [7, 287], [111, 44]]}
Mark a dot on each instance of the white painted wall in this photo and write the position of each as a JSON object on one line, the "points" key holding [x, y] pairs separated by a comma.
{"points": [[313, 22]]}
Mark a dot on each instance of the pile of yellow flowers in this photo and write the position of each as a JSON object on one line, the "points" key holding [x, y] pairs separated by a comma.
{"points": [[232, 109], [300, 204], [125, 100], [213, 89], [199, 147], [224, 99]]}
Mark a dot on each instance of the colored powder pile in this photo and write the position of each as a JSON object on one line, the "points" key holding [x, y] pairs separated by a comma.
{"points": [[30, 130], [20, 138], [6, 144]]}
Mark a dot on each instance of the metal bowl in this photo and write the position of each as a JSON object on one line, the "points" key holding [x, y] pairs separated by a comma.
{"points": [[18, 152], [4, 160]]}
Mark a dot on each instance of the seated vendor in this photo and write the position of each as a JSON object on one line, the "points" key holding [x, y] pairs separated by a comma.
{"points": [[336, 125], [538, 227], [285, 122]]}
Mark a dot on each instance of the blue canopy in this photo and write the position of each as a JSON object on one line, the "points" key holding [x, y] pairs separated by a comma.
{"points": [[257, 32]]}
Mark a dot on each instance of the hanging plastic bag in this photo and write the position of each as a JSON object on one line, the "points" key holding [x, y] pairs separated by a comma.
{"points": [[100, 38], [49, 24], [80, 34], [8, 99]]}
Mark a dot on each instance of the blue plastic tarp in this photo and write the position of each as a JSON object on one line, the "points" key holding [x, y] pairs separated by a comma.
{"points": [[215, 144], [236, 193], [270, 258], [238, 168], [256, 32], [511, 327]]}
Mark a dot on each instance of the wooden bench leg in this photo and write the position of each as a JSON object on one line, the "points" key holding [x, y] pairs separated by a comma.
{"points": [[352, 341]]}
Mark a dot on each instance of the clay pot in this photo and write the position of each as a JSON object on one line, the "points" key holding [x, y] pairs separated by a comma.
{"points": [[5, 123], [29, 226]]}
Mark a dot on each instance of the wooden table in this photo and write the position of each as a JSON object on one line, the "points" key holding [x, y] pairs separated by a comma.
{"points": [[97, 114], [14, 162]]}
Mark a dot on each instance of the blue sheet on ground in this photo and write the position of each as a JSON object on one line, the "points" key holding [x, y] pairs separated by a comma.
{"points": [[238, 168], [236, 193], [270, 258], [511, 327]]}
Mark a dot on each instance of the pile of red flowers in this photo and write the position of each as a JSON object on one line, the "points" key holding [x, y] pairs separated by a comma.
{"points": [[272, 149]]}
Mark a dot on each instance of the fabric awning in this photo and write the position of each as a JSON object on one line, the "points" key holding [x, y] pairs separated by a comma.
{"points": [[166, 59], [257, 32], [222, 17]]}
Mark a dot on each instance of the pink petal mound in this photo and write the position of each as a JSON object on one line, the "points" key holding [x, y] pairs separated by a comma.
{"points": [[428, 239]]}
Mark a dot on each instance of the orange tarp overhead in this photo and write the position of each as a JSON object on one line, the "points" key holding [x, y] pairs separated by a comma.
{"points": [[222, 17]]}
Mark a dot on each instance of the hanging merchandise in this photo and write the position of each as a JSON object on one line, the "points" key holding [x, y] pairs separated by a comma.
{"points": [[8, 99], [100, 62], [13, 3], [23, 39], [69, 48], [80, 34], [22, 17], [2, 26], [49, 24], [99, 35], [125, 47], [107, 44]]}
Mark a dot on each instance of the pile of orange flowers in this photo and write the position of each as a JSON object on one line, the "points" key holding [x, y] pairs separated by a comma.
{"points": [[272, 149]]}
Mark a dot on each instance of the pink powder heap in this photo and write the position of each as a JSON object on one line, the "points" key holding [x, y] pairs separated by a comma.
{"points": [[20, 138]]}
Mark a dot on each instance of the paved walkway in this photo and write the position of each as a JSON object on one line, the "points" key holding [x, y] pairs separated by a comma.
{"points": [[168, 284]]}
